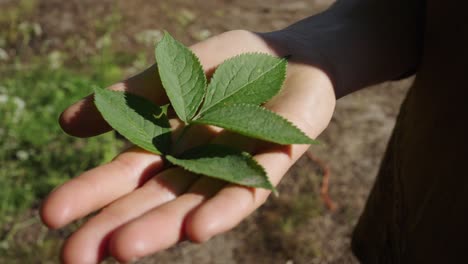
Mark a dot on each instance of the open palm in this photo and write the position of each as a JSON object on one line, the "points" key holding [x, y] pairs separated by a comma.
{"points": [[145, 208]]}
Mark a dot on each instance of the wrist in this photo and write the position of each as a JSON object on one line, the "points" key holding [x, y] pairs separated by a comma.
{"points": [[356, 43]]}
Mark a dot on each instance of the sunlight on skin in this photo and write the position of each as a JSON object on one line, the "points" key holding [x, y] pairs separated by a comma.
{"points": [[144, 214]]}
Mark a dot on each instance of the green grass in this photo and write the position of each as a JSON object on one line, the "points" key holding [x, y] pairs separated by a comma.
{"points": [[36, 84], [35, 155]]}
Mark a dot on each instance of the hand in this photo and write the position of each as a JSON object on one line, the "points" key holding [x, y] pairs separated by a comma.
{"points": [[145, 209]]}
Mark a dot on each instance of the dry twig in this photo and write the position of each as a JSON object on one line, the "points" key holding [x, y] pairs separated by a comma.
{"points": [[324, 193]]}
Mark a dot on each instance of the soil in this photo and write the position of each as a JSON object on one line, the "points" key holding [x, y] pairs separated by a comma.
{"points": [[296, 227]]}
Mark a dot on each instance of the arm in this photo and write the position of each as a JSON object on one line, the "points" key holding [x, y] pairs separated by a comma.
{"points": [[357, 43]]}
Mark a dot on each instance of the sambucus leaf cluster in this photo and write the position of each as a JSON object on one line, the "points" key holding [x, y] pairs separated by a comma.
{"points": [[232, 100]]}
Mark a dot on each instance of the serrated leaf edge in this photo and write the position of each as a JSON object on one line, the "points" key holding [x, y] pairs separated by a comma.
{"points": [[247, 54], [255, 162], [200, 121], [99, 90], [243, 153], [198, 66]]}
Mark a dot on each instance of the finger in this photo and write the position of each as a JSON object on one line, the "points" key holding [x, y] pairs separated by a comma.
{"points": [[98, 187], [135, 240], [89, 244], [162, 227], [82, 119], [233, 203]]}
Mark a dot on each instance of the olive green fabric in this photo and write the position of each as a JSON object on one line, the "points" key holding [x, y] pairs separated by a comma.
{"points": [[417, 211]]}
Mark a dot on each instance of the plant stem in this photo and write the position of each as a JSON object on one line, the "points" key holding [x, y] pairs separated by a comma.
{"points": [[181, 135]]}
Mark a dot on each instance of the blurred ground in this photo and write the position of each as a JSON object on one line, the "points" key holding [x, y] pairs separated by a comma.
{"points": [[293, 228]]}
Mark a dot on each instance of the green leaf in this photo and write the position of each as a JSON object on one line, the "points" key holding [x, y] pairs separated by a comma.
{"points": [[257, 122], [182, 76], [137, 119], [224, 163], [251, 78]]}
